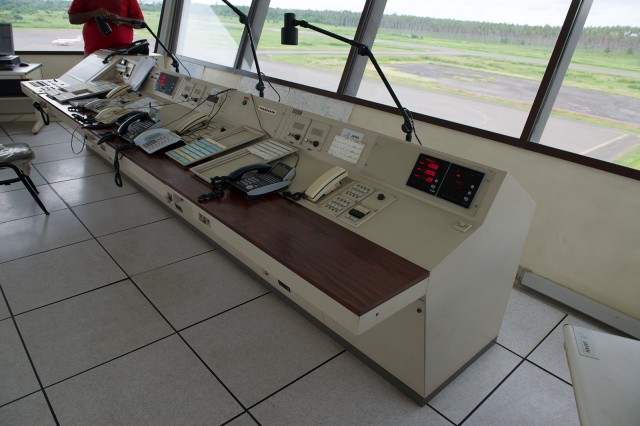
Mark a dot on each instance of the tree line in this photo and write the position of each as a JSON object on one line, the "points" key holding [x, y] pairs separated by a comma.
{"points": [[617, 38]]}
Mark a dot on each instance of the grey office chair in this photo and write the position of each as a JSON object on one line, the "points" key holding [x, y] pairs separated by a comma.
{"points": [[17, 157]]}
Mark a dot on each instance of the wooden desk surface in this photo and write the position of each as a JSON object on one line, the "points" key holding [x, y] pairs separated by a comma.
{"points": [[355, 272]]}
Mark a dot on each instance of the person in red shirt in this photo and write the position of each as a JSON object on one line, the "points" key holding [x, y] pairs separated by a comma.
{"points": [[117, 13]]}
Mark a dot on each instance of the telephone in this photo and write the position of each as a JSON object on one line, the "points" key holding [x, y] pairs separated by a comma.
{"points": [[260, 179], [134, 125], [329, 181], [191, 122], [100, 104], [153, 140], [118, 91], [109, 115]]}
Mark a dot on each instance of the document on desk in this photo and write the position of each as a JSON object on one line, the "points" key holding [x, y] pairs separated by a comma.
{"points": [[140, 72]]}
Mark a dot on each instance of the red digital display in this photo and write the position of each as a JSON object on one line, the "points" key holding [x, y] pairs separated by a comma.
{"points": [[445, 180]]}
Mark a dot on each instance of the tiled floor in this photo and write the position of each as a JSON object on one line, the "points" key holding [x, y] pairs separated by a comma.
{"points": [[114, 312]]}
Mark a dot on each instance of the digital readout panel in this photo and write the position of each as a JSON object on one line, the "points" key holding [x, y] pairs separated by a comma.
{"points": [[167, 83], [449, 181]]}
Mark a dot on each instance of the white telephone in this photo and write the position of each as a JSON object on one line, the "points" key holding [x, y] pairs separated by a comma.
{"points": [[109, 115], [153, 140], [191, 122], [329, 181], [118, 91], [100, 104]]}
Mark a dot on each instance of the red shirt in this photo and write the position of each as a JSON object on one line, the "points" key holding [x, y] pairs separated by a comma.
{"points": [[121, 35]]}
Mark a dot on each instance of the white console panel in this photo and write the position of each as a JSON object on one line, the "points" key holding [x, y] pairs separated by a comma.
{"points": [[465, 223]]}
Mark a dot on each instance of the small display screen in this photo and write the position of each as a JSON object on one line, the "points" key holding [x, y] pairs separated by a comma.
{"points": [[428, 173], [445, 180], [167, 83], [280, 170]]}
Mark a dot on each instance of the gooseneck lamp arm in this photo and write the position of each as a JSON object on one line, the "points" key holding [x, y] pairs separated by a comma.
{"points": [[174, 62], [245, 21], [289, 36]]}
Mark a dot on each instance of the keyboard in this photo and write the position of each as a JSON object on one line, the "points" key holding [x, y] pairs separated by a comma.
{"points": [[195, 151]]}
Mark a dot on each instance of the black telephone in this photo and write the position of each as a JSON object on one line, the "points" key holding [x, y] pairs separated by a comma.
{"points": [[134, 123], [256, 180]]}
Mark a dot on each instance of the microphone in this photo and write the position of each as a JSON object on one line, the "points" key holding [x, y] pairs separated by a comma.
{"points": [[103, 26], [289, 33]]}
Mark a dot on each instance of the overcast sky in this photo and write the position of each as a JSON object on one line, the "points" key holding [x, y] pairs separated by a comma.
{"points": [[526, 12]]}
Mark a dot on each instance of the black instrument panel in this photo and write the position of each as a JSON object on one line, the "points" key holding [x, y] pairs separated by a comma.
{"points": [[443, 179]]}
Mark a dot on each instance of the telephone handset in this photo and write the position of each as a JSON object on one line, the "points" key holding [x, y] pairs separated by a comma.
{"points": [[110, 114], [118, 91], [191, 122], [327, 182], [260, 179], [101, 104], [134, 125]]}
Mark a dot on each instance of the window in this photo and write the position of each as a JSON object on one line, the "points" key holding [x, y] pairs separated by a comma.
{"points": [[475, 63], [596, 113], [317, 60], [211, 31], [42, 25]]}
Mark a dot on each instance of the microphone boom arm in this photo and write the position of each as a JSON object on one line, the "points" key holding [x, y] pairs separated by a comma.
{"points": [[364, 50], [174, 62], [245, 21]]}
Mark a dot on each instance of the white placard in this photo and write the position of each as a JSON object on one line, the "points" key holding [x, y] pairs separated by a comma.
{"points": [[346, 149]]}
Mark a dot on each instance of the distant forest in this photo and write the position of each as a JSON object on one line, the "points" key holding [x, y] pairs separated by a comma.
{"points": [[605, 39]]}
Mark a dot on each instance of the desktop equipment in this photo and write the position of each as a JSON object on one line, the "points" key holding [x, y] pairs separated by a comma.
{"points": [[8, 59]]}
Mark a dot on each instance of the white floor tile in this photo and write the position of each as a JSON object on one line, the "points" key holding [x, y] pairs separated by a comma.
{"points": [[76, 334], [117, 214], [344, 392], [60, 151], [28, 411], [197, 288], [73, 168], [530, 396], [91, 189], [467, 390], [16, 375], [161, 384], [48, 137], [44, 278], [4, 311], [551, 355], [19, 204], [259, 347], [25, 128], [152, 246], [40, 233], [526, 323]]}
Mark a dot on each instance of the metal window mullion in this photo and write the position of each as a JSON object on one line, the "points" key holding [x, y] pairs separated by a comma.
{"points": [[365, 33], [556, 70], [257, 16]]}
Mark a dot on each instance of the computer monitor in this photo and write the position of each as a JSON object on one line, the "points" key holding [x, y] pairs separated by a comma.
{"points": [[6, 39]]}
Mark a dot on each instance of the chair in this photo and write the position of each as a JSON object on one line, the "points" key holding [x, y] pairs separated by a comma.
{"points": [[17, 157]]}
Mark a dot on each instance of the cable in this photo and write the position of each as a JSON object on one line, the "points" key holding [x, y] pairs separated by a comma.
{"points": [[116, 161], [258, 116], [271, 85], [217, 191], [43, 113], [72, 136]]}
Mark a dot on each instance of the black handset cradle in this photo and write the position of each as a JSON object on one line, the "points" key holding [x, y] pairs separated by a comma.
{"points": [[257, 180]]}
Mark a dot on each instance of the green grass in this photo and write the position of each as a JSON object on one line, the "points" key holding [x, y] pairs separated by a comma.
{"points": [[631, 159]]}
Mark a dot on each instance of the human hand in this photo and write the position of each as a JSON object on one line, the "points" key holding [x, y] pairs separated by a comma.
{"points": [[103, 12]]}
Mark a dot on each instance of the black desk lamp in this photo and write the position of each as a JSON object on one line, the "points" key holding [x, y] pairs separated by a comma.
{"points": [[244, 20], [289, 36]]}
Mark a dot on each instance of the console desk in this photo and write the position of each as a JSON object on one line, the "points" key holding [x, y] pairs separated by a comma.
{"points": [[417, 287]]}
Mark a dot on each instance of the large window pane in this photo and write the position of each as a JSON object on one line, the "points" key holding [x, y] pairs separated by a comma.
{"points": [[477, 63], [43, 25], [597, 112], [210, 31], [317, 60]]}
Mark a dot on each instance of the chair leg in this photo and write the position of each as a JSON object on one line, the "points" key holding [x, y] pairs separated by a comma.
{"points": [[28, 183]]}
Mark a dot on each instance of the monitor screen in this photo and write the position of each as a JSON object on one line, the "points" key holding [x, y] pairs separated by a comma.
{"points": [[6, 39]]}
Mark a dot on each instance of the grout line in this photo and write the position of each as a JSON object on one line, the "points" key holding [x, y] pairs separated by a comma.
{"points": [[26, 350]]}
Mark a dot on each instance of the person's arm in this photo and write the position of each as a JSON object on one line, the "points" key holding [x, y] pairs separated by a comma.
{"points": [[82, 17]]}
